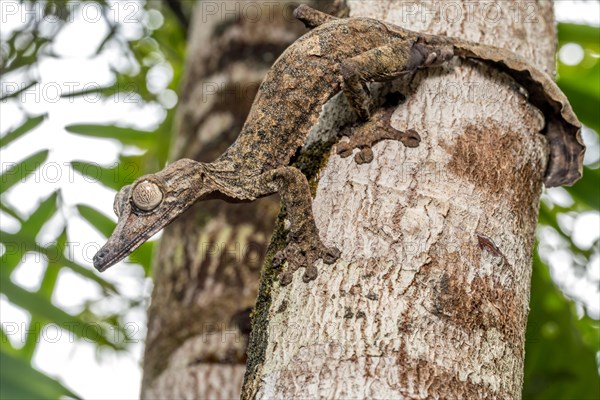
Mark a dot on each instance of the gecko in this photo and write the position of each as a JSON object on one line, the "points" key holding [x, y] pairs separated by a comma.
{"points": [[335, 55]]}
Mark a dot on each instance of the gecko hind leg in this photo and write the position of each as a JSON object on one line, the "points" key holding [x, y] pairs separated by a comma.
{"points": [[383, 64], [304, 246], [366, 134], [311, 17]]}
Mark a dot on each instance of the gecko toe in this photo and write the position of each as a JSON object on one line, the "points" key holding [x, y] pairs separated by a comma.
{"points": [[303, 255], [331, 255], [310, 274], [410, 138], [285, 278], [278, 259], [364, 156], [344, 149]]}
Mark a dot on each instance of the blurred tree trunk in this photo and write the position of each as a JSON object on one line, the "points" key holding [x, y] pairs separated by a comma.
{"points": [[207, 267], [430, 297]]}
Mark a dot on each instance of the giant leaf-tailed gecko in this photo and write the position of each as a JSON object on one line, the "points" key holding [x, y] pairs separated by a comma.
{"points": [[336, 55]]}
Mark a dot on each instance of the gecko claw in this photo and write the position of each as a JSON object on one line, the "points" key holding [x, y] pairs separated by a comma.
{"points": [[363, 136], [344, 149], [310, 274]]}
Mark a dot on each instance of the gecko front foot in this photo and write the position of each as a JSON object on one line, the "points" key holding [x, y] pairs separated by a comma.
{"points": [[303, 253], [304, 246], [366, 134]]}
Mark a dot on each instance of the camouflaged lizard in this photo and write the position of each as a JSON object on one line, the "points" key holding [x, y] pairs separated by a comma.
{"points": [[337, 54]]}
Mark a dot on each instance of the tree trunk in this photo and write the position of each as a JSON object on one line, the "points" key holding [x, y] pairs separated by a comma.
{"points": [[430, 296], [207, 267]]}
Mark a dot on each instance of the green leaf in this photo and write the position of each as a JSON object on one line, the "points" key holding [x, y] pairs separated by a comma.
{"points": [[17, 245], [19, 171], [46, 289], [560, 363], [18, 92], [130, 136], [96, 91], [24, 57], [164, 135], [45, 210], [42, 310], [51, 274], [143, 256], [19, 380], [587, 36], [5, 343], [13, 252], [582, 87], [124, 173], [98, 220], [581, 82], [10, 212], [586, 192]]}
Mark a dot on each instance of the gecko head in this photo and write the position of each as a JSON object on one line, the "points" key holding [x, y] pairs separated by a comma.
{"points": [[149, 204]]}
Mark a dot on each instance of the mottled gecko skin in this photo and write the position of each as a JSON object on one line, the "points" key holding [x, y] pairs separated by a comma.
{"points": [[338, 54], [304, 78]]}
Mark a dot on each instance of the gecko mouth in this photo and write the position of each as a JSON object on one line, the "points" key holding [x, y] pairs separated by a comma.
{"points": [[116, 249], [102, 260]]}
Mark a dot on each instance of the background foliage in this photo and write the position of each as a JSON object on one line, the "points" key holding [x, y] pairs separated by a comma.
{"points": [[562, 344]]}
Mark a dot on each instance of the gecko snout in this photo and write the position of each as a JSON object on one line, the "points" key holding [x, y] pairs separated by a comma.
{"points": [[98, 260]]}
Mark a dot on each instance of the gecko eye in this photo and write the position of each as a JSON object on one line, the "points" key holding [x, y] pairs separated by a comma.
{"points": [[146, 195]]}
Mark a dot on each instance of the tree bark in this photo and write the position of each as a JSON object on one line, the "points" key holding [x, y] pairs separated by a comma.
{"points": [[207, 266], [430, 296]]}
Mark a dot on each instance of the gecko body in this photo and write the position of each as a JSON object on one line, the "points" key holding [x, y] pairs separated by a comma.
{"points": [[336, 55]]}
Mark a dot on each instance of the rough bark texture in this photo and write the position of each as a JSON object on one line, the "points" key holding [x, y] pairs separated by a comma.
{"points": [[207, 267], [430, 297]]}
